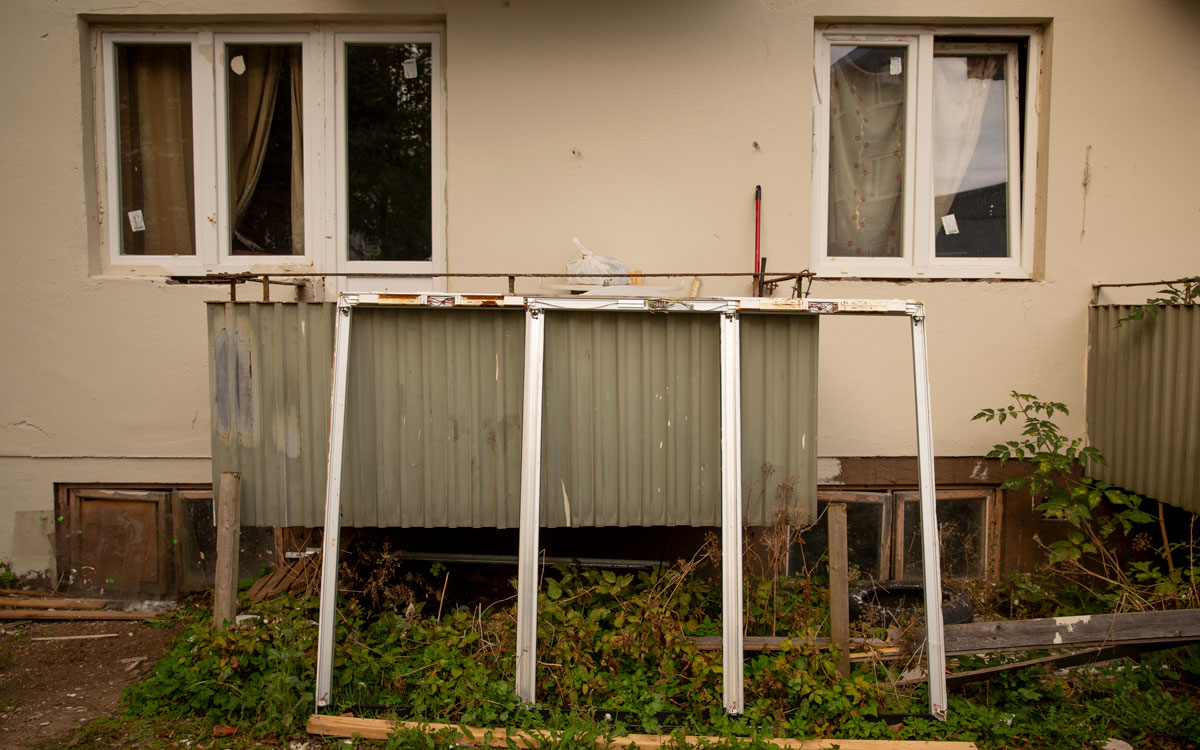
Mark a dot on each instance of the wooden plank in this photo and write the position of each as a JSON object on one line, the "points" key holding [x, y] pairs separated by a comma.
{"points": [[839, 586], [228, 528], [1067, 632], [73, 614], [775, 642], [381, 729], [50, 602], [75, 637], [1072, 659], [23, 592]]}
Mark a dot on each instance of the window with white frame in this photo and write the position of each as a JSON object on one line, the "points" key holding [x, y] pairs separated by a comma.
{"points": [[316, 147], [924, 152]]}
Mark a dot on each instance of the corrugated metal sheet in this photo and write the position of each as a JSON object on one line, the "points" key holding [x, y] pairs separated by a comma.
{"points": [[1143, 408], [269, 375], [631, 418]]}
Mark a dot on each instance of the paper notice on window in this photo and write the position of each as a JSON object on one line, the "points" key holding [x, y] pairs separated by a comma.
{"points": [[136, 222], [410, 68], [897, 66], [950, 224]]}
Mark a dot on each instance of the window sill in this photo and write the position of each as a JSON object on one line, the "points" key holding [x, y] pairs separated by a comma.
{"points": [[908, 273]]}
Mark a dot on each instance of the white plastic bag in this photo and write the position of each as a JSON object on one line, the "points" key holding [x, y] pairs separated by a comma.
{"points": [[592, 263]]}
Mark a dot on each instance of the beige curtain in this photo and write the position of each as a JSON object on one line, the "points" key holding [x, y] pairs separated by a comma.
{"points": [[252, 96], [251, 108], [154, 100], [960, 94], [297, 94], [866, 153]]}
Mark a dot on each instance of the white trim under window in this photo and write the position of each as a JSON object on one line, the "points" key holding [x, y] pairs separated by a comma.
{"points": [[324, 153], [916, 245]]}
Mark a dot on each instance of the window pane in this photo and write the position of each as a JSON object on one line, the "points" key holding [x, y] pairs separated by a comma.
{"points": [[962, 524], [970, 164], [266, 160], [866, 151], [864, 538], [154, 131], [389, 165]]}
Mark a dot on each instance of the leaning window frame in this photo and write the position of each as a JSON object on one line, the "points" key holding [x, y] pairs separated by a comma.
{"points": [[919, 258]]}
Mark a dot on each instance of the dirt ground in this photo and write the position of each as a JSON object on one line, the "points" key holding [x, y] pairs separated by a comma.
{"points": [[48, 689]]}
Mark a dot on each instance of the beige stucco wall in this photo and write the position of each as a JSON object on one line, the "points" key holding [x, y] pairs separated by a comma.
{"points": [[631, 125]]}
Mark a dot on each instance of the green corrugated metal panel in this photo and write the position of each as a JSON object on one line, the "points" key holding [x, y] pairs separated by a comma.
{"points": [[631, 418], [1143, 408], [269, 375], [433, 418]]}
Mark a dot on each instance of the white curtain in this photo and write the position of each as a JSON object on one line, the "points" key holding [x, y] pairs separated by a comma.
{"points": [[961, 86]]}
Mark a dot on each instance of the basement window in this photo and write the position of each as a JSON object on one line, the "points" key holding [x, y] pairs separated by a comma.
{"points": [[883, 534], [226, 150], [923, 159]]}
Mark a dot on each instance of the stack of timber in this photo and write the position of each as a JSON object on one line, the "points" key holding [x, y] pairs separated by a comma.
{"points": [[17, 604], [295, 576]]}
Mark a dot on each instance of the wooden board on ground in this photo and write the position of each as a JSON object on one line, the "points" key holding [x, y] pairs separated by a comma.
{"points": [[1069, 632], [294, 576], [30, 602], [1082, 631], [1062, 661], [75, 614], [380, 729]]}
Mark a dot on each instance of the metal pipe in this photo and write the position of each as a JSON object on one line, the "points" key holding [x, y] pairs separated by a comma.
{"points": [[220, 278], [585, 562]]}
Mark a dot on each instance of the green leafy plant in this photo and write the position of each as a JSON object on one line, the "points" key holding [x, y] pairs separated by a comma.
{"points": [[1097, 512], [1185, 291]]}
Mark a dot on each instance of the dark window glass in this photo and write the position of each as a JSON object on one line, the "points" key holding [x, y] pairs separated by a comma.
{"points": [[389, 99]]}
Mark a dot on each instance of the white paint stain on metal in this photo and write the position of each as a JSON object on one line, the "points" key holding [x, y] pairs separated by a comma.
{"points": [[566, 502]]}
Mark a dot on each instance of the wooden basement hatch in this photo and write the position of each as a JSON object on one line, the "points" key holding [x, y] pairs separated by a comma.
{"points": [[729, 313]]}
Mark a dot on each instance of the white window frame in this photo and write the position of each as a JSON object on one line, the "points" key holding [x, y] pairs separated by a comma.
{"points": [[337, 95], [918, 259], [322, 48], [311, 123]]}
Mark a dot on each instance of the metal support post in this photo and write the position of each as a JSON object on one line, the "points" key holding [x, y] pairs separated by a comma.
{"points": [[531, 472], [731, 515], [935, 639], [327, 620]]}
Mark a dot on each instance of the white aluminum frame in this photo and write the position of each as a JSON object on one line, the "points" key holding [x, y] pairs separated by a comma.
{"points": [[919, 258], [531, 478], [732, 630], [728, 310]]}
